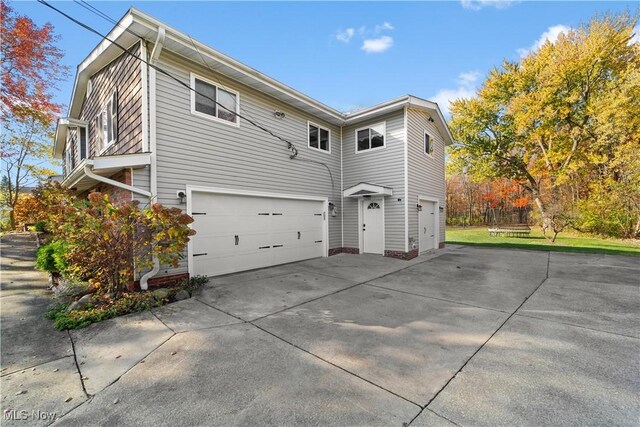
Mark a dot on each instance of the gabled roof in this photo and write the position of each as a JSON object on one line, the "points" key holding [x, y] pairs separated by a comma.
{"points": [[136, 22], [365, 189]]}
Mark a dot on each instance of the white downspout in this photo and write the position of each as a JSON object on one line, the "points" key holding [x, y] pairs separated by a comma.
{"points": [[153, 172], [88, 170], [144, 280]]}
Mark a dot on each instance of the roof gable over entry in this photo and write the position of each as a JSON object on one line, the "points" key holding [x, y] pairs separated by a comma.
{"points": [[363, 189]]}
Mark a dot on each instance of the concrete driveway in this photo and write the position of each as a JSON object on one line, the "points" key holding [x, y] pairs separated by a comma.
{"points": [[466, 336]]}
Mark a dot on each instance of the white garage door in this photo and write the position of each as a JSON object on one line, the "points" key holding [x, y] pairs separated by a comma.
{"points": [[237, 232]]}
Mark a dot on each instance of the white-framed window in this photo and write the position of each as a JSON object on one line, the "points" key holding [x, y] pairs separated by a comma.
{"points": [[83, 146], [319, 137], [428, 144], [209, 100], [69, 165], [107, 125], [371, 137]]}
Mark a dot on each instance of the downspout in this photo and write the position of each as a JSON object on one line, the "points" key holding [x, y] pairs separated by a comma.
{"points": [[153, 172], [88, 170]]}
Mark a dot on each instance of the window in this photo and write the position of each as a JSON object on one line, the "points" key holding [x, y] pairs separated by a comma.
{"points": [[69, 164], [428, 144], [370, 138], [214, 102], [319, 138], [107, 125], [82, 146]]}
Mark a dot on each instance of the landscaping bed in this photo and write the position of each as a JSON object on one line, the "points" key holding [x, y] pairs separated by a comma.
{"points": [[76, 308]]}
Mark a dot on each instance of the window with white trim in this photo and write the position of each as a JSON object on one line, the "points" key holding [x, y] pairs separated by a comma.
{"points": [[83, 149], [69, 163], [428, 144], [212, 101], [370, 138], [107, 125], [319, 138]]}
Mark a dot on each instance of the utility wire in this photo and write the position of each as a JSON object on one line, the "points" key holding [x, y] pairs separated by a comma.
{"points": [[295, 157], [250, 120]]}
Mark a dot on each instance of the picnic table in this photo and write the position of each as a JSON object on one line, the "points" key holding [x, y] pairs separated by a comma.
{"points": [[510, 230]]}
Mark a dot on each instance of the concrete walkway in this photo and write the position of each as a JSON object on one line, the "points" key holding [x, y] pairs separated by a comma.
{"points": [[38, 370], [465, 336]]}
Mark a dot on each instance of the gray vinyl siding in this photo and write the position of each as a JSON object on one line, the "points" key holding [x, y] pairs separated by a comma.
{"points": [[195, 150], [426, 174], [381, 167], [141, 178]]}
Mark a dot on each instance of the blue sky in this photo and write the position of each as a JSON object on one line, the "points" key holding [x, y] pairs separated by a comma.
{"points": [[348, 55]]}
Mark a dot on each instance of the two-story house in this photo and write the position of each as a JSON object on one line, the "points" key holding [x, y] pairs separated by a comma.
{"points": [[176, 122]]}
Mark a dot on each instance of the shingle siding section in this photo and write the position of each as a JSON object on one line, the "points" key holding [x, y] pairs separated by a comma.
{"points": [[382, 167], [124, 76], [195, 150], [426, 173]]}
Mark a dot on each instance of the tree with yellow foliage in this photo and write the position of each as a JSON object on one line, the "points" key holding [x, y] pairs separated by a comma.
{"points": [[564, 121]]}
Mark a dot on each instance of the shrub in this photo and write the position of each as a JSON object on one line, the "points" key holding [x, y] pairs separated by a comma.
{"points": [[39, 226], [51, 257], [105, 241]]}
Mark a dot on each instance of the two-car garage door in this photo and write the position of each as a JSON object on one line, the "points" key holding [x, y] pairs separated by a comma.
{"points": [[241, 232]]}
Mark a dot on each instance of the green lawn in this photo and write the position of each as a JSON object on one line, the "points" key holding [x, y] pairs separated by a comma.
{"points": [[566, 242]]}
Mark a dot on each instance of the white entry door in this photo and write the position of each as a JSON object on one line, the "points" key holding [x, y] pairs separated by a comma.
{"points": [[372, 226], [240, 232], [427, 223]]}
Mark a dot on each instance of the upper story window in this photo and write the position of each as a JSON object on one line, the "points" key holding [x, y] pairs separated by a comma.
{"points": [[212, 101], [319, 138], [428, 144], [107, 125], [69, 165], [370, 138], [82, 143]]}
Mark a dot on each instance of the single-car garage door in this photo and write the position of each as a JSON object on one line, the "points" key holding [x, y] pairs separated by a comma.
{"points": [[240, 232]]}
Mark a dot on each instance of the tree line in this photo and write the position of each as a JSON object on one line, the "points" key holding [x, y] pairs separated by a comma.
{"points": [[564, 124]]}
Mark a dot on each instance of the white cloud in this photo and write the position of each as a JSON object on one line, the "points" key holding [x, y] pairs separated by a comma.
{"points": [[385, 26], [378, 45], [346, 35], [636, 35], [480, 4], [550, 35], [372, 41], [467, 85]]}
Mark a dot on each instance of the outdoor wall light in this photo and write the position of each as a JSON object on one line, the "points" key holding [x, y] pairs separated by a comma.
{"points": [[279, 114], [419, 206], [182, 196], [333, 210]]}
